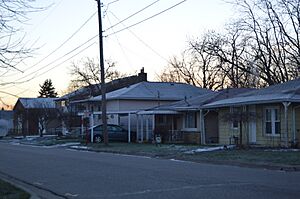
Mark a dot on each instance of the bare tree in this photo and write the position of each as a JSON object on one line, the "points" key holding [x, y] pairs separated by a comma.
{"points": [[195, 67], [44, 115], [239, 117], [13, 15], [87, 73], [259, 48], [272, 27]]}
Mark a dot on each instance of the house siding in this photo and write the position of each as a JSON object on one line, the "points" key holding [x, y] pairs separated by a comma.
{"points": [[297, 125], [226, 132]]}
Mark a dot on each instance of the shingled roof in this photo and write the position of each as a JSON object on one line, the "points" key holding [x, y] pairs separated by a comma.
{"points": [[196, 103], [285, 92], [35, 103], [164, 91]]}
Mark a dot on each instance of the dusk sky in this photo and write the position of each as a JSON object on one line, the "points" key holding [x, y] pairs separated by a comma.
{"points": [[149, 44]]}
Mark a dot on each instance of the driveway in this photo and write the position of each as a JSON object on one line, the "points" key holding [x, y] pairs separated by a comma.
{"points": [[77, 174]]}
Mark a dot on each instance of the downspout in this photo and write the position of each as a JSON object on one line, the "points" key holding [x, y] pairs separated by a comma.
{"points": [[202, 137], [202, 126], [129, 127], [286, 105]]}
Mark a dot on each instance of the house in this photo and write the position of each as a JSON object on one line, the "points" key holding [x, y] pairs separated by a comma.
{"points": [[95, 90], [123, 104], [65, 104], [267, 117], [186, 121], [35, 116], [6, 122]]}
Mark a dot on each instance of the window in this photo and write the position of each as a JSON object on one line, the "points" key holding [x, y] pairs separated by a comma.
{"points": [[191, 120], [272, 121], [235, 114], [235, 124]]}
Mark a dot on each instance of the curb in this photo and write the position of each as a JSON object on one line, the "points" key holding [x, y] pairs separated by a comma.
{"points": [[19, 185], [35, 192]]}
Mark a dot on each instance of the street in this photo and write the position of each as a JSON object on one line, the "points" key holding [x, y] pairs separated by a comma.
{"points": [[69, 173]]}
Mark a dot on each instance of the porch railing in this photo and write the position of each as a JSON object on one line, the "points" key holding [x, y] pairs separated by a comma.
{"points": [[174, 136]]}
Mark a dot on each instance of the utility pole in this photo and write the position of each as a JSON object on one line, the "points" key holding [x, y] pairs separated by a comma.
{"points": [[103, 87]]}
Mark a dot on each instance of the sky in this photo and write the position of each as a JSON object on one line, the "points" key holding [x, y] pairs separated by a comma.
{"points": [[66, 32]]}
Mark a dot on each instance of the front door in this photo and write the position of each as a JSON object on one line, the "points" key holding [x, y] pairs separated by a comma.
{"points": [[252, 125]]}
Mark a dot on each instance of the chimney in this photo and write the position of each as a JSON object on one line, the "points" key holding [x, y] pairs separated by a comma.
{"points": [[142, 75]]}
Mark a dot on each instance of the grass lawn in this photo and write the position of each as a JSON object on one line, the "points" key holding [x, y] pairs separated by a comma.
{"points": [[178, 151], [8, 191], [243, 156], [250, 156], [143, 149]]}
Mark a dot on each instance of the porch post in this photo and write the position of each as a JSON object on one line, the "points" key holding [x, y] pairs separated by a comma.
{"points": [[92, 125], [137, 128], [286, 105], [147, 129], [153, 125], [294, 125], [202, 128], [172, 131], [129, 127], [82, 125], [142, 128]]}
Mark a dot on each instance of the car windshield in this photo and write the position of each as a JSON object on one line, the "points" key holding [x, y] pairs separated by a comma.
{"points": [[109, 128]]}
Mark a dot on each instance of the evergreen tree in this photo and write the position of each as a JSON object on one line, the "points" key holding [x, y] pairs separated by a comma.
{"points": [[47, 89]]}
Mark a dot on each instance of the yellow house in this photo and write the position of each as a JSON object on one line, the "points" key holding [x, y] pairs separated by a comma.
{"points": [[267, 117]]}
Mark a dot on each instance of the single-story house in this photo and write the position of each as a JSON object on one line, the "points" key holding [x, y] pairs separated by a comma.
{"points": [[186, 121], [35, 116], [122, 104], [267, 117]]}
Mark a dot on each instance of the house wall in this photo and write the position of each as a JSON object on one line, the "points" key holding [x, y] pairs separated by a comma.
{"points": [[297, 125], [211, 127], [191, 135], [126, 106], [133, 105], [226, 132]]}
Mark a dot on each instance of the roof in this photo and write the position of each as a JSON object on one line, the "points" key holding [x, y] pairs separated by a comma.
{"points": [[285, 92], [6, 114], [95, 89], [195, 103], [31, 103], [164, 91]]}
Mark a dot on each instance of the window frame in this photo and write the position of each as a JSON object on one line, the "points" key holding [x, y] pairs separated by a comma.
{"points": [[190, 120], [275, 119], [235, 109]]}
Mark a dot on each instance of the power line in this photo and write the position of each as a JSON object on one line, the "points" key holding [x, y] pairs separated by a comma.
{"points": [[118, 41], [146, 19], [66, 59], [74, 49], [8, 70], [143, 42], [151, 4], [55, 65], [107, 6], [61, 45], [9, 94]]}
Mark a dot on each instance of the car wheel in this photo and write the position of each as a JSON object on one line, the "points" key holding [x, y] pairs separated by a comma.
{"points": [[98, 139]]}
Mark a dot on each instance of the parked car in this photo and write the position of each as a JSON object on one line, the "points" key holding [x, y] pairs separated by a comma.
{"points": [[115, 133]]}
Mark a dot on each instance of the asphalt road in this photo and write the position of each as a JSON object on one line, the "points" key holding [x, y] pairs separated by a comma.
{"points": [[78, 174]]}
